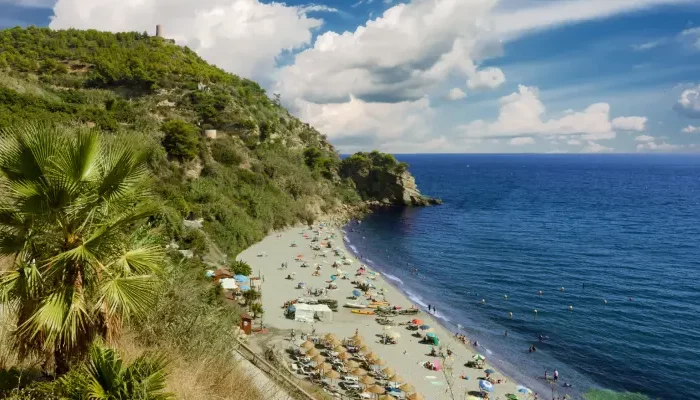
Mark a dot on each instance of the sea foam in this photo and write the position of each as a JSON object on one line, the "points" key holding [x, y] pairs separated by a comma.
{"points": [[393, 278]]}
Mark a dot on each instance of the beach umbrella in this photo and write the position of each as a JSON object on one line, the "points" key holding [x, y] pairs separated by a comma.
{"points": [[371, 356], [417, 322], [385, 397], [352, 364], [332, 374], [478, 357], [334, 342], [386, 328], [388, 371], [318, 359], [394, 335], [313, 352], [431, 335], [511, 396], [424, 327], [339, 348], [376, 389], [357, 337], [473, 398], [324, 367], [397, 379], [367, 380], [308, 345], [378, 362], [245, 288], [489, 371], [330, 336], [365, 349], [407, 387], [358, 372], [356, 293], [523, 389], [486, 386], [415, 396], [344, 356]]}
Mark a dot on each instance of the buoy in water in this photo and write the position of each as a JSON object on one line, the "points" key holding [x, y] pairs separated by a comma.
{"points": [[535, 311], [540, 293], [511, 314], [505, 296], [571, 308], [483, 301], [562, 289], [605, 302]]}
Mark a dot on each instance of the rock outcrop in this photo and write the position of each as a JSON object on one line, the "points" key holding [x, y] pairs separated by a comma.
{"points": [[383, 181]]}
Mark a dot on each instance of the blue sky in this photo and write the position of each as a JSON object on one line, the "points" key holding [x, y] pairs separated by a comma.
{"points": [[444, 75]]}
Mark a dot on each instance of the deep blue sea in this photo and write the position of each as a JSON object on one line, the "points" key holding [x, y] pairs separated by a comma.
{"points": [[604, 227]]}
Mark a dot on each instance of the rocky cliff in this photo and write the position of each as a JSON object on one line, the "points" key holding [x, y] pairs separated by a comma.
{"points": [[381, 180]]}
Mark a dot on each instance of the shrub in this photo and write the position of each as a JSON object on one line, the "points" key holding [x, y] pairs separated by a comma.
{"points": [[181, 139], [239, 267], [226, 152]]}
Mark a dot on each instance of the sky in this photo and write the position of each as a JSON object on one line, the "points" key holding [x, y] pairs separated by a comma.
{"points": [[442, 76]]}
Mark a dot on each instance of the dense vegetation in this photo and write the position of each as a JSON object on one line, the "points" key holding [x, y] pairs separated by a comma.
{"points": [[81, 241]]}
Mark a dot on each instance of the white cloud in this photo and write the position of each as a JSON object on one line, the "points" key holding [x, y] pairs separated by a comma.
{"points": [[456, 94], [593, 147], [691, 129], [653, 146], [309, 8], [369, 124], [240, 36], [574, 142], [521, 141], [644, 138], [629, 123], [521, 114], [648, 45], [689, 103], [487, 78], [691, 36], [401, 55], [549, 14]]}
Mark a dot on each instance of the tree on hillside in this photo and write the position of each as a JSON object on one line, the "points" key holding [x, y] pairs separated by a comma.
{"points": [[181, 139], [79, 263]]}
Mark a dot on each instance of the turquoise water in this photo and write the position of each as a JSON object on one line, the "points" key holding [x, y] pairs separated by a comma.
{"points": [[605, 228]]}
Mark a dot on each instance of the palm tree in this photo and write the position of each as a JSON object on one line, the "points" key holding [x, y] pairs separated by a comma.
{"points": [[105, 377], [79, 262]]}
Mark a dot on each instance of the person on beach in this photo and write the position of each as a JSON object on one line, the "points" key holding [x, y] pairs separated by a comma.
{"points": [[556, 375], [429, 307], [505, 334], [546, 377]]}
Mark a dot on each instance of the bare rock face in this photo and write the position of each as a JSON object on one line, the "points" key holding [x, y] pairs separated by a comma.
{"points": [[410, 195]]}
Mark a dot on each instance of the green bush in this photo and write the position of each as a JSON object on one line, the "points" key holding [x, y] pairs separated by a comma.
{"points": [[226, 152], [239, 267], [181, 139]]}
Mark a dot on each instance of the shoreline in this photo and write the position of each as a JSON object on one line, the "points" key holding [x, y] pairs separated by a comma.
{"points": [[508, 367], [406, 357]]}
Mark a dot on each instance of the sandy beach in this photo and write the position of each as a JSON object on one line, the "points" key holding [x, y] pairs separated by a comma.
{"points": [[407, 357]]}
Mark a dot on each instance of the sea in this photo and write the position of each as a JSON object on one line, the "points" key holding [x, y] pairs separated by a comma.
{"points": [[612, 242]]}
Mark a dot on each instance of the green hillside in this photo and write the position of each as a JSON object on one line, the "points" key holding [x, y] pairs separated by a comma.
{"points": [[266, 169], [76, 98]]}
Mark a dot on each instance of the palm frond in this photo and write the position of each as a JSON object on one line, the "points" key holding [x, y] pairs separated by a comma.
{"points": [[105, 371], [141, 260], [127, 296], [122, 169]]}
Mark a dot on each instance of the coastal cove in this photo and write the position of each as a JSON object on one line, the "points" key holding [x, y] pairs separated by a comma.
{"points": [[618, 232]]}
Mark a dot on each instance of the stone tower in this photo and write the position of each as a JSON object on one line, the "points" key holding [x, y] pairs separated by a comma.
{"points": [[159, 31]]}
